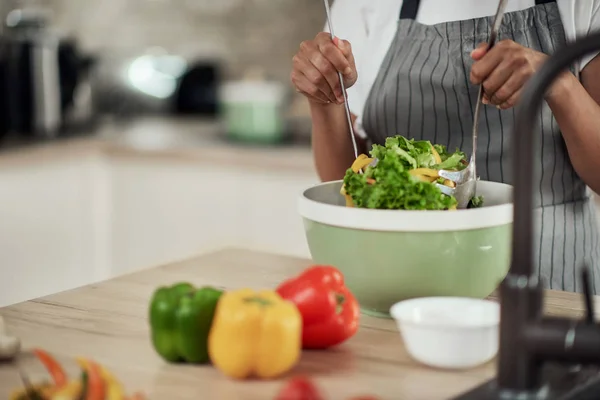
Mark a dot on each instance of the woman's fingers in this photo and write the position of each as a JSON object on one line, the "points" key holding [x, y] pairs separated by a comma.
{"points": [[489, 61], [512, 101], [479, 51], [318, 64], [350, 74], [309, 89], [506, 104], [331, 61], [512, 85], [504, 70], [304, 71], [332, 51], [496, 80], [329, 73], [506, 80]]}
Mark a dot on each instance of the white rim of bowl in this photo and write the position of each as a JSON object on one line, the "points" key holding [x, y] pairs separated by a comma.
{"points": [[409, 321], [404, 221]]}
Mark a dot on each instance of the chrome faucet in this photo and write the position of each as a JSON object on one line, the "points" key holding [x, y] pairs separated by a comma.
{"points": [[540, 357]]}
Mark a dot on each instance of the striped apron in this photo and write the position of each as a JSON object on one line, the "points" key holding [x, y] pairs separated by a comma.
{"points": [[423, 91]]}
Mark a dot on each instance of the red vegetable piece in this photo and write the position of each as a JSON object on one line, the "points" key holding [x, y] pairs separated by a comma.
{"points": [[299, 388], [330, 312]]}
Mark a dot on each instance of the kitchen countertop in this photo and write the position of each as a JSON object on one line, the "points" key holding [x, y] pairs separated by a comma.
{"points": [[108, 322], [173, 139]]}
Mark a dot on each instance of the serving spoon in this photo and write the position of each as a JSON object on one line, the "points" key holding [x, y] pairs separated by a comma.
{"points": [[466, 179], [341, 78]]}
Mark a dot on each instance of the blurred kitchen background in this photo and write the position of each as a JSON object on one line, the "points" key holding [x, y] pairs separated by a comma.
{"points": [[138, 132]]}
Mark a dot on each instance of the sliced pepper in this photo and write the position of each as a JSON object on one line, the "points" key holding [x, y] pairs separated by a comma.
{"points": [[349, 202], [449, 183], [54, 368], [360, 162], [71, 391], [180, 320], [255, 334], [113, 388], [330, 312], [94, 387], [424, 178], [432, 173], [436, 155]]}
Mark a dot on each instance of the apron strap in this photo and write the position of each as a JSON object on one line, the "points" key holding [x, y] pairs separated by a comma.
{"points": [[410, 8]]}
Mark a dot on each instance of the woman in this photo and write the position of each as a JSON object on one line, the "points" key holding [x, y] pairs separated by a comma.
{"points": [[413, 68]]}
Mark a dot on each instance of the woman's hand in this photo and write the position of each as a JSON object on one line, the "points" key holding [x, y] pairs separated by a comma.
{"points": [[504, 70], [316, 65]]}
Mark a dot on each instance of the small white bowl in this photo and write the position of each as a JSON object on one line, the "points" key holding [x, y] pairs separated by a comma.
{"points": [[449, 332]]}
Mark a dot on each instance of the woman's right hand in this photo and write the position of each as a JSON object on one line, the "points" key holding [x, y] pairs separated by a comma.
{"points": [[316, 65]]}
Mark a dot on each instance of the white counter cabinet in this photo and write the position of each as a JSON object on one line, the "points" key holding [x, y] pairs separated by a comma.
{"points": [[67, 222], [162, 211], [52, 221]]}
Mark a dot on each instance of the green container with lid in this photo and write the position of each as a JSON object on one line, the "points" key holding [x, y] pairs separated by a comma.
{"points": [[253, 110]]}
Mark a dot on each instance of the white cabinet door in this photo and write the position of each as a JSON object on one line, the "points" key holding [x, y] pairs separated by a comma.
{"points": [[168, 210], [70, 222], [272, 221], [51, 232], [164, 210]]}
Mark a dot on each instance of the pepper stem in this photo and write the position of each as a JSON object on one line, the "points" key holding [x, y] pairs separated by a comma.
{"points": [[340, 299], [258, 300]]}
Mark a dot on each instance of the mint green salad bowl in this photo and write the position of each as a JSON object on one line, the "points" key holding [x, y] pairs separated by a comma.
{"points": [[391, 255]]}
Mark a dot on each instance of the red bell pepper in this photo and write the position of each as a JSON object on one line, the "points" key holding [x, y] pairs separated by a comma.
{"points": [[330, 312], [299, 388]]}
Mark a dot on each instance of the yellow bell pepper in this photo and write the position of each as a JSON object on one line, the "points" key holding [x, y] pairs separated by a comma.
{"points": [[255, 334]]}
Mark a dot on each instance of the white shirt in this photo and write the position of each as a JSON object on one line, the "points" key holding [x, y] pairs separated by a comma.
{"points": [[370, 26]]}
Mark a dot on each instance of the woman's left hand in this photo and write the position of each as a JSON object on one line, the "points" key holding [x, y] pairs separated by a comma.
{"points": [[504, 70]]}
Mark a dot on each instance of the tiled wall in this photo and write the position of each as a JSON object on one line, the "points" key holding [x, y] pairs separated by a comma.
{"points": [[245, 33]]}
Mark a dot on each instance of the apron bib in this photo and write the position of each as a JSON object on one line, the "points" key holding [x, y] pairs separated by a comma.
{"points": [[423, 91]]}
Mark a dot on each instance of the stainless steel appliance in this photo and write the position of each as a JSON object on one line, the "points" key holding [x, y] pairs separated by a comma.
{"points": [[41, 77], [156, 82]]}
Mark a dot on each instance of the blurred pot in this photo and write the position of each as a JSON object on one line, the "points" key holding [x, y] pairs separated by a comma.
{"points": [[254, 110]]}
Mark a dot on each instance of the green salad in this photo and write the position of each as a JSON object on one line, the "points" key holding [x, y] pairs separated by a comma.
{"points": [[403, 177]]}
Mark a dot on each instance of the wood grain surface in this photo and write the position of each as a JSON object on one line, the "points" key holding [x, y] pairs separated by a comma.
{"points": [[108, 322]]}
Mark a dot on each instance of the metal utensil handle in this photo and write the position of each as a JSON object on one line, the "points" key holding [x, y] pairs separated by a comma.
{"points": [[327, 11], [491, 43]]}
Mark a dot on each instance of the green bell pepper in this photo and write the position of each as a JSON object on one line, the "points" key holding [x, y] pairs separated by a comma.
{"points": [[180, 320]]}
